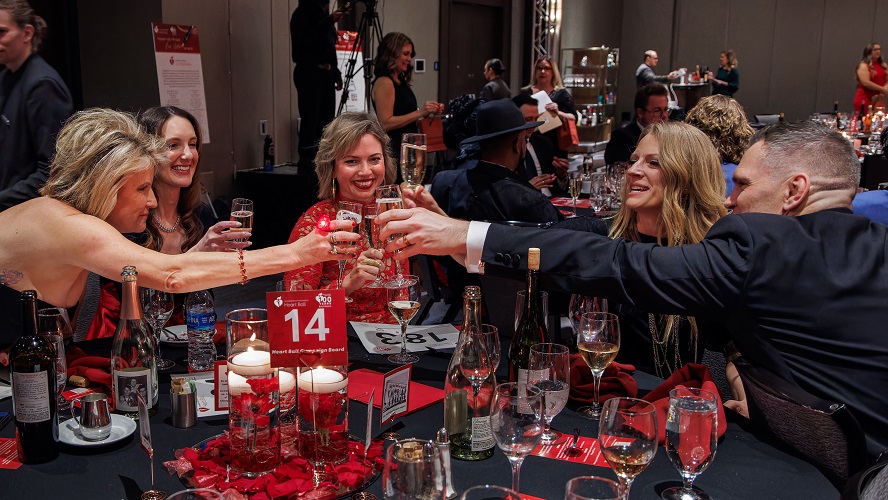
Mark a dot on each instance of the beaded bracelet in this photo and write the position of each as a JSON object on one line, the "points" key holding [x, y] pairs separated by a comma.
{"points": [[243, 268]]}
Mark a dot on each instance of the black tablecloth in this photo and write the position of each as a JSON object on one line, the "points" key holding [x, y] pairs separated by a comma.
{"points": [[744, 467]]}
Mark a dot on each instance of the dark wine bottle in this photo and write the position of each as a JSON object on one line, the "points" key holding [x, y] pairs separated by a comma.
{"points": [[531, 329], [836, 115], [133, 359], [34, 399]]}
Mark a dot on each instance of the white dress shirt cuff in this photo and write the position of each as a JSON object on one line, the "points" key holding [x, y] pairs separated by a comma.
{"points": [[475, 245]]}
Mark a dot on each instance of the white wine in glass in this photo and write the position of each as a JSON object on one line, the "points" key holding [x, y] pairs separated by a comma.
{"points": [[575, 184], [242, 211], [388, 197], [598, 341], [413, 159], [348, 211], [403, 297], [627, 434]]}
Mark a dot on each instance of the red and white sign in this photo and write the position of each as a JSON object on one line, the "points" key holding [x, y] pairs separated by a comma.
{"points": [[306, 328], [345, 42], [179, 71]]}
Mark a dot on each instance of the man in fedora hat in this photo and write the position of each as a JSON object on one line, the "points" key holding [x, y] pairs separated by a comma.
{"points": [[492, 190]]}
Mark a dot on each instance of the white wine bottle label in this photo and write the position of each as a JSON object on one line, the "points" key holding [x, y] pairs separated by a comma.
{"points": [[31, 397], [482, 438], [128, 382]]}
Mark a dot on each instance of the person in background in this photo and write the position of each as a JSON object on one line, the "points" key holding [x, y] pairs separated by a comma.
{"points": [[872, 204], [644, 74], [394, 102], [495, 88], [316, 75], [727, 80], [34, 104], [651, 106], [724, 121], [542, 169], [352, 161], [177, 222], [547, 78], [872, 76]]}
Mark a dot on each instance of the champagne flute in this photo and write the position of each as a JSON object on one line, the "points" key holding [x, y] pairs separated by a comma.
{"points": [[627, 434], [158, 307], [549, 371], [575, 185], [598, 341], [413, 159], [414, 469], [348, 211], [591, 488], [403, 297], [388, 197], [516, 430], [53, 324], [371, 232], [242, 211], [690, 438]]}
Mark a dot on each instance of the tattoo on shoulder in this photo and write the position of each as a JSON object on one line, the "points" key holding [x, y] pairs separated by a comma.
{"points": [[10, 276]]}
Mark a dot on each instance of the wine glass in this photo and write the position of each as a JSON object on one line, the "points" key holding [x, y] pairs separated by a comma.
{"points": [[489, 492], [627, 434], [490, 334], [371, 232], [388, 197], [413, 159], [348, 211], [242, 211], [575, 184], [690, 438], [591, 488], [549, 371], [158, 307], [515, 429], [581, 304], [598, 341], [414, 469], [403, 296], [53, 324]]}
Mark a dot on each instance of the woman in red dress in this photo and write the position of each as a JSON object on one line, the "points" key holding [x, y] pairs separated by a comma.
{"points": [[872, 75]]}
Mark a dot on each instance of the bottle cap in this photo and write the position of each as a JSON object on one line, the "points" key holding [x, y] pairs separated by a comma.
{"points": [[533, 258]]}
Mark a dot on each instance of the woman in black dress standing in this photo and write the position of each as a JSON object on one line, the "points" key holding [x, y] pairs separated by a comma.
{"points": [[547, 78]]}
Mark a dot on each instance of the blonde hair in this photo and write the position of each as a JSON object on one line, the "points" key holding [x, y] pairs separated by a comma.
{"points": [[556, 75], [340, 137], [724, 121], [96, 151], [692, 193]]}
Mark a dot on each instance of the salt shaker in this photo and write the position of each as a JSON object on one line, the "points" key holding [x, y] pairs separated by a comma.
{"points": [[442, 440]]}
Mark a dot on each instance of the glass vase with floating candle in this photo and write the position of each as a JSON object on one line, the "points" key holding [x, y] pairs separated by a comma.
{"points": [[253, 392], [323, 414]]}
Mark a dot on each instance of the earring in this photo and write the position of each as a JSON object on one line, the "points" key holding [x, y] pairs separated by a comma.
{"points": [[334, 189]]}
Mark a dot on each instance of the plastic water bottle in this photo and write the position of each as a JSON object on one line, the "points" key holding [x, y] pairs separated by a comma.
{"points": [[200, 315]]}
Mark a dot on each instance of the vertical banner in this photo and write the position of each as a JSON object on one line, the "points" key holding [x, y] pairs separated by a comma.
{"points": [[345, 43], [179, 72]]}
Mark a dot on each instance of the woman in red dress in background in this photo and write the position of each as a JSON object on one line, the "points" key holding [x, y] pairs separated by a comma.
{"points": [[872, 75]]}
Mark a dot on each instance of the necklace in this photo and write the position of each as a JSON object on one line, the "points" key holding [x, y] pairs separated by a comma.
{"points": [[163, 228], [661, 346]]}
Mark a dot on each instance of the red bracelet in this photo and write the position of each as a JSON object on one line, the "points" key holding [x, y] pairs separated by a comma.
{"points": [[243, 268]]}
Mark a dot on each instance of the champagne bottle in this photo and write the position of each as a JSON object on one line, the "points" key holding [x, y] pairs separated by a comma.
{"points": [[531, 329], [133, 361], [469, 386], [34, 399]]}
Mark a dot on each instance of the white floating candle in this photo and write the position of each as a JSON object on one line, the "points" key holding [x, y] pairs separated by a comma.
{"points": [[322, 381], [251, 363], [287, 381]]}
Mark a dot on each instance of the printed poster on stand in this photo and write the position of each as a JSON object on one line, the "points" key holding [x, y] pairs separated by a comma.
{"points": [[179, 71]]}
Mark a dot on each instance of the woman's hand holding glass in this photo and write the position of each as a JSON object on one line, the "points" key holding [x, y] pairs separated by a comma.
{"points": [[368, 267], [220, 237], [321, 246]]}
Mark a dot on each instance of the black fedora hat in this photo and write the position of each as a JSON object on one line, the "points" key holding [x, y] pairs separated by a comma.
{"points": [[497, 118]]}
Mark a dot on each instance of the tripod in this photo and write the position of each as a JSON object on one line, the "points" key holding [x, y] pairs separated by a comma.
{"points": [[369, 28]]}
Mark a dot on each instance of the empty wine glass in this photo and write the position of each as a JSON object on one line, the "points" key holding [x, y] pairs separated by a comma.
{"points": [[413, 159], [627, 434], [403, 297], [549, 371], [690, 438], [158, 307], [574, 186], [581, 304], [348, 211], [242, 211], [489, 492], [413, 469], [490, 334], [591, 488], [598, 341], [53, 324], [516, 430]]}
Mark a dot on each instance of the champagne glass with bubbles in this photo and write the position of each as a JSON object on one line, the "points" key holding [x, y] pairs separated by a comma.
{"points": [[690, 438], [598, 341], [242, 211], [158, 307], [627, 434], [413, 159], [348, 211], [371, 232], [403, 296], [388, 197], [549, 371]]}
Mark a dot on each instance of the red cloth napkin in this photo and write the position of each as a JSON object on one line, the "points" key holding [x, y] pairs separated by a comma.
{"points": [[691, 375], [96, 368], [616, 381]]}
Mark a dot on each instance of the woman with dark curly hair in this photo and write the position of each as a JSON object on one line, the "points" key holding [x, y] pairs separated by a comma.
{"points": [[724, 121], [393, 100]]}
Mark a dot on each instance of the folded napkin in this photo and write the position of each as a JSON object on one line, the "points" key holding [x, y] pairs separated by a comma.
{"points": [[96, 368], [691, 375], [616, 381]]}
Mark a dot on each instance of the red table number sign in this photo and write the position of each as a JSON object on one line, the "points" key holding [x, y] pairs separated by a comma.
{"points": [[307, 328]]}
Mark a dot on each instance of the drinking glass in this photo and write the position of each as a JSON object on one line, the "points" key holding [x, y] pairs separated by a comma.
{"points": [[413, 159], [371, 232], [53, 324], [158, 307], [388, 197], [597, 191], [348, 211], [591, 488], [598, 341], [489, 492], [627, 434], [490, 334], [549, 371], [575, 184], [616, 172], [403, 296], [475, 366], [242, 211], [690, 438], [516, 430], [413, 469]]}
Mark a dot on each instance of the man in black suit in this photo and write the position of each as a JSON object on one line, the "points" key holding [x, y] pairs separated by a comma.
{"points": [[651, 106], [799, 281], [542, 169]]}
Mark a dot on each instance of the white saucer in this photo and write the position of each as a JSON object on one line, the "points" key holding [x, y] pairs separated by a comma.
{"points": [[121, 427], [180, 332]]}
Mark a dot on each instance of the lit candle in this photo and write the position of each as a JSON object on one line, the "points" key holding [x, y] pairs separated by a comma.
{"points": [[322, 381], [251, 363], [287, 381]]}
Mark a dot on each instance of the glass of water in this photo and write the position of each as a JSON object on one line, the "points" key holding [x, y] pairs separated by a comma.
{"points": [[690, 438]]}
